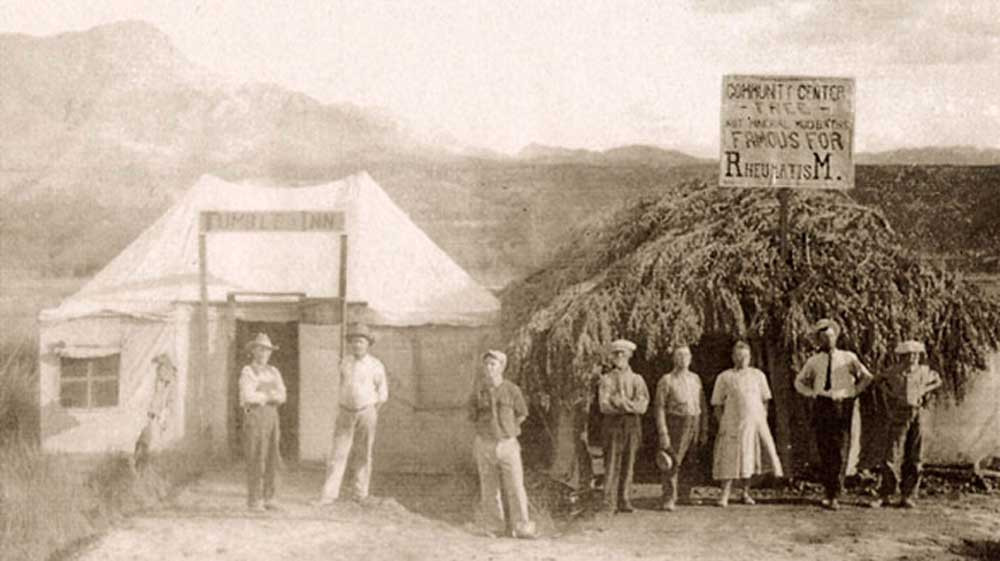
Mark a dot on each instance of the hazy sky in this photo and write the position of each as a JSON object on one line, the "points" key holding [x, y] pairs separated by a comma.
{"points": [[587, 74]]}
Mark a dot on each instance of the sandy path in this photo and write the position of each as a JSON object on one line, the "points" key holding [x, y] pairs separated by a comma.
{"points": [[208, 521]]}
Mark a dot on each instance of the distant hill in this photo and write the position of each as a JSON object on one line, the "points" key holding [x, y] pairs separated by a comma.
{"points": [[623, 155], [117, 109], [933, 156], [104, 128]]}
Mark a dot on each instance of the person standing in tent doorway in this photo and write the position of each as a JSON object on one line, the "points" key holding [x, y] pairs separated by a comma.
{"points": [[497, 409], [363, 391], [682, 423], [832, 378], [904, 388], [623, 399], [158, 414], [744, 446], [262, 390]]}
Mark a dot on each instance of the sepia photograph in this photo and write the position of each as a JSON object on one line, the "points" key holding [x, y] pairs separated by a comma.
{"points": [[702, 280]]}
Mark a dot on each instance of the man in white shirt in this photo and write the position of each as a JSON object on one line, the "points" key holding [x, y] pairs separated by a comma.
{"points": [[262, 391], [832, 378], [363, 390]]}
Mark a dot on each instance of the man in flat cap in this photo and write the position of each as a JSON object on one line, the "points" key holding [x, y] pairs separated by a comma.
{"points": [[497, 408], [363, 391], [904, 388], [623, 399], [832, 378]]}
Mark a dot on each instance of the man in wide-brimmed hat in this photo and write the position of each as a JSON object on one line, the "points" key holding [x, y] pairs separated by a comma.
{"points": [[623, 399], [363, 391], [497, 409], [262, 390], [158, 413], [904, 387], [832, 378]]}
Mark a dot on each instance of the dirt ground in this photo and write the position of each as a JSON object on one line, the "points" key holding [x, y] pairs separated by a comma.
{"points": [[430, 517]]}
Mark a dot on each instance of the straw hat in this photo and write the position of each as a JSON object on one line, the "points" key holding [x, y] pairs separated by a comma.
{"points": [[825, 323], [261, 340], [910, 346], [623, 345], [360, 330], [663, 460]]}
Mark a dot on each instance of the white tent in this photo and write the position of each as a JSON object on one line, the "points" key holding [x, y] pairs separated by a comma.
{"points": [[432, 319]]}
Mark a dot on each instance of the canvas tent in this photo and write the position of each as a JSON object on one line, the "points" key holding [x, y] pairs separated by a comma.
{"points": [[431, 319]]}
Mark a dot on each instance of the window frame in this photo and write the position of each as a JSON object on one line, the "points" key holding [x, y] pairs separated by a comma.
{"points": [[92, 377]]}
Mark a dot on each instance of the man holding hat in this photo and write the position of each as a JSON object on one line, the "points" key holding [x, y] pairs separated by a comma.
{"points": [[904, 387], [679, 405], [262, 390], [363, 391], [623, 399], [832, 378], [159, 409], [497, 408]]}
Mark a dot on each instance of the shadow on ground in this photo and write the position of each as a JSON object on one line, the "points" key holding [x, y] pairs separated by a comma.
{"points": [[982, 550]]}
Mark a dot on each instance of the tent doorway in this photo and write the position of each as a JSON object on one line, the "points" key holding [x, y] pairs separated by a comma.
{"points": [[286, 359]]}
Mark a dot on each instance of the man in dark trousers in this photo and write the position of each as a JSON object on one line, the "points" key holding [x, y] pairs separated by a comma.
{"points": [[623, 399], [832, 378]]}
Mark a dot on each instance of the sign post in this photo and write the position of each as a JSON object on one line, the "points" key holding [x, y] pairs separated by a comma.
{"points": [[266, 221], [786, 133]]}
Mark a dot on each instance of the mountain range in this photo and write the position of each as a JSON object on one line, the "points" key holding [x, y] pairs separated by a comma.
{"points": [[104, 128]]}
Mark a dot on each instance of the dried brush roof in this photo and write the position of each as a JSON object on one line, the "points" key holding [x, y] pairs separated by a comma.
{"points": [[707, 260]]}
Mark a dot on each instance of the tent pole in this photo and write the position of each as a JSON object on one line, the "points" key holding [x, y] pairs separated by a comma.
{"points": [[203, 315], [342, 291], [783, 195]]}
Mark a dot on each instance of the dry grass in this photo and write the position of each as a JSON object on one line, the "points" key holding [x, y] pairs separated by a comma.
{"points": [[49, 503]]}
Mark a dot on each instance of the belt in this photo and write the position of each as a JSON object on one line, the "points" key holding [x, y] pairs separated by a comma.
{"points": [[353, 410], [836, 399], [254, 406]]}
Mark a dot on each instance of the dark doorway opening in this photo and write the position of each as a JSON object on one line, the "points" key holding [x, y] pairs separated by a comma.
{"points": [[286, 359]]}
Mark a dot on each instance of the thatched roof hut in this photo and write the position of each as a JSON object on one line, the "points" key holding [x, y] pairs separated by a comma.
{"points": [[703, 266]]}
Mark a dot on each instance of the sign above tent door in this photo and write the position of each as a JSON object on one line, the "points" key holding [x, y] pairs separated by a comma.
{"points": [[271, 221], [249, 222], [279, 221]]}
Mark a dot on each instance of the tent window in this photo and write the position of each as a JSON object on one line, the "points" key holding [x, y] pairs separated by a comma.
{"points": [[89, 382]]}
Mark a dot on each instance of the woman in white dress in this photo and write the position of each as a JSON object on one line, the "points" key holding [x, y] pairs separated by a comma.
{"points": [[744, 446]]}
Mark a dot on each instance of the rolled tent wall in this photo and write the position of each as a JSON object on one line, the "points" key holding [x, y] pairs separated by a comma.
{"points": [[114, 425], [967, 431]]}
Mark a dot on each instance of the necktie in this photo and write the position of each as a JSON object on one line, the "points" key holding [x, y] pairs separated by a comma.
{"points": [[829, 373]]}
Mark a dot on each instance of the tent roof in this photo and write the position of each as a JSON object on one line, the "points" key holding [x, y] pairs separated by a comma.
{"points": [[392, 265]]}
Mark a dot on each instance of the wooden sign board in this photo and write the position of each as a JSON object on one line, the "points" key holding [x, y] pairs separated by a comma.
{"points": [[787, 131], [273, 221]]}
